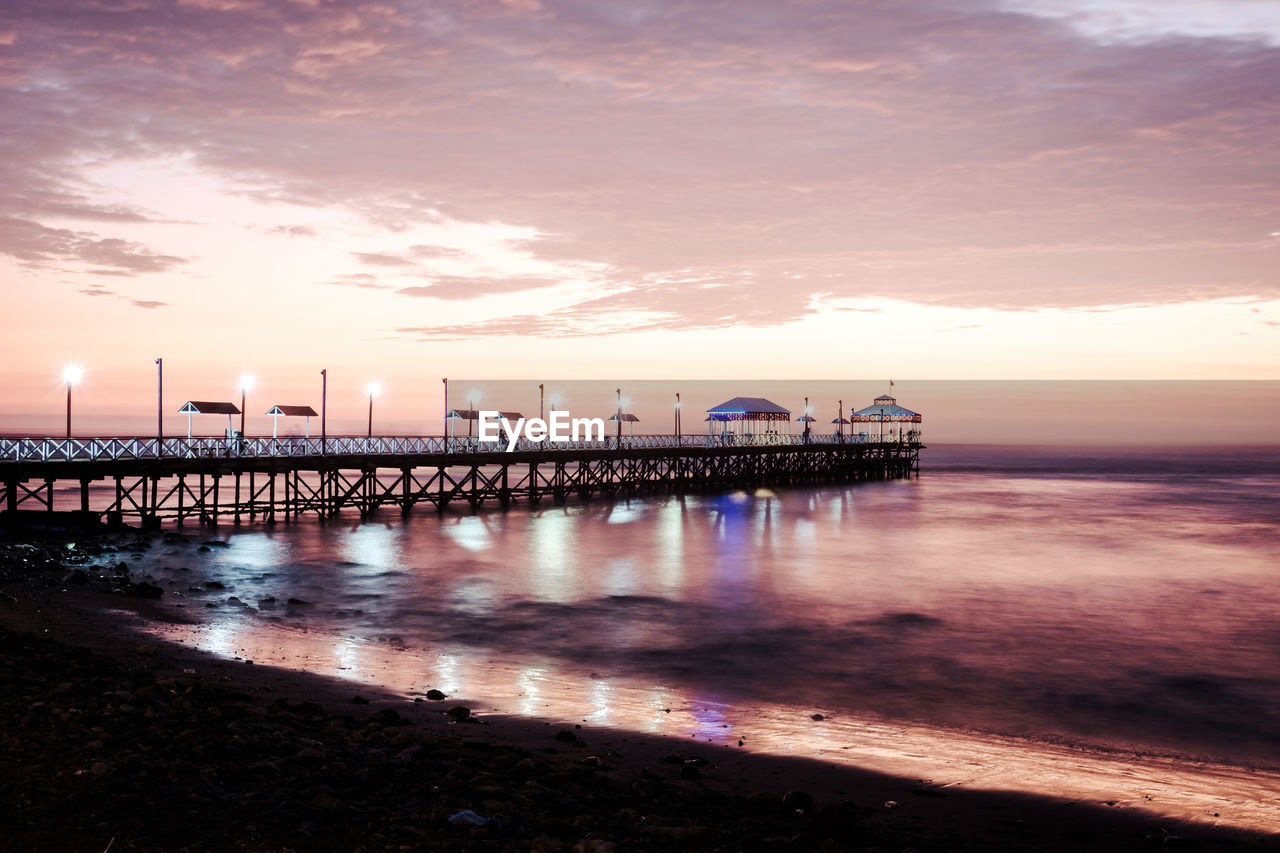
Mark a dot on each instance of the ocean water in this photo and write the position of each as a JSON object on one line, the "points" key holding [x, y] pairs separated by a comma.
{"points": [[1086, 599]]}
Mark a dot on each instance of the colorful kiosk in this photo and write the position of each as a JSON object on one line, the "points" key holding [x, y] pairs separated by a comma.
{"points": [[748, 420], [885, 410]]}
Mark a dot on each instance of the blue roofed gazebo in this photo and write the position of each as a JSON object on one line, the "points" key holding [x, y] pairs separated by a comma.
{"points": [[746, 413], [885, 409]]}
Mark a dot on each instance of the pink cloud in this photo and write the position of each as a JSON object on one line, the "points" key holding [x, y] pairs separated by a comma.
{"points": [[469, 287], [918, 150], [37, 245]]}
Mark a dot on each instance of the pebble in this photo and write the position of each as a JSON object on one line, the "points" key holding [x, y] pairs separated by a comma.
{"points": [[103, 747]]}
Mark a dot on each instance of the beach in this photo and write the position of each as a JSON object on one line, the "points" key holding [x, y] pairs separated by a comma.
{"points": [[119, 740], [538, 425]]}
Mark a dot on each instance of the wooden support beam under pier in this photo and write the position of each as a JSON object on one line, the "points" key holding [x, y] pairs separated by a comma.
{"points": [[161, 490]]}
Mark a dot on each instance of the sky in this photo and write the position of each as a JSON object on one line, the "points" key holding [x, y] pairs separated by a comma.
{"points": [[402, 191]]}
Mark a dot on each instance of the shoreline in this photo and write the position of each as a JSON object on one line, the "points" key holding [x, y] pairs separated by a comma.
{"points": [[118, 734], [1188, 787]]}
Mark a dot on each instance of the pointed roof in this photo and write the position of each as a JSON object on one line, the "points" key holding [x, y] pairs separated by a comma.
{"points": [[474, 415], [201, 407], [748, 408], [885, 408], [293, 411], [625, 417]]}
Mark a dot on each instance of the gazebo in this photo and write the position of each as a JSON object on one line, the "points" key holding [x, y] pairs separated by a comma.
{"points": [[885, 409], [200, 407], [625, 418], [473, 415], [276, 412], [747, 412]]}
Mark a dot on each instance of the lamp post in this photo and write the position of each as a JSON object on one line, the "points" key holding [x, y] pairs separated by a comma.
{"points": [[324, 397], [71, 375], [555, 401], [677, 419], [619, 418], [374, 390], [159, 407], [447, 428], [246, 382], [540, 399]]}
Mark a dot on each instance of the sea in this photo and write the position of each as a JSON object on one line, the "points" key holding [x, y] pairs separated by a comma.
{"points": [[1093, 622]]}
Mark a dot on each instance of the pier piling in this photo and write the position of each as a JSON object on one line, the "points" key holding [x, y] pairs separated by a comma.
{"points": [[335, 475]]}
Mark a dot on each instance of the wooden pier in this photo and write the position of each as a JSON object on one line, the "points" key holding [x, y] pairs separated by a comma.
{"points": [[206, 481]]}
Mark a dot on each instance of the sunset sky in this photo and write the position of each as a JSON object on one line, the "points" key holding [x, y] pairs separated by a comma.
{"points": [[403, 190]]}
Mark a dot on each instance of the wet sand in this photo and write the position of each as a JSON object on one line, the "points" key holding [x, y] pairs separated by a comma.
{"points": [[118, 739]]}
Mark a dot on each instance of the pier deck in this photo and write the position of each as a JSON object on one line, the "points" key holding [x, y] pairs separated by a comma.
{"points": [[206, 480]]}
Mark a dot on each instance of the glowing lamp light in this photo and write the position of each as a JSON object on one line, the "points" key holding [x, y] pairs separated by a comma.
{"points": [[71, 374], [246, 385], [375, 388]]}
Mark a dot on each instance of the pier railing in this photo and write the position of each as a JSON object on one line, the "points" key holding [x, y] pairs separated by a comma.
{"points": [[111, 448]]}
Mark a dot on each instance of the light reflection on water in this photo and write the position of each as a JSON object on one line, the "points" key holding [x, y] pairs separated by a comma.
{"points": [[1114, 603]]}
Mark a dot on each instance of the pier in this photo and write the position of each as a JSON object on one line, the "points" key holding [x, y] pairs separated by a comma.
{"points": [[151, 482]]}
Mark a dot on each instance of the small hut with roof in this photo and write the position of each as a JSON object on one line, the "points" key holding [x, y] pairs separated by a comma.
{"points": [[472, 417], [748, 416], [885, 409], [205, 407], [279, 411]]}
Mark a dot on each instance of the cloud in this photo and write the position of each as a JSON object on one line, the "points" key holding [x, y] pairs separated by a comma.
{"points": [[99, 290], [364, 281], [428, 251], [647, 307], [377, 259], [474, 287], [704, 154], [39, 246], [1139, 21], [293, 231]]}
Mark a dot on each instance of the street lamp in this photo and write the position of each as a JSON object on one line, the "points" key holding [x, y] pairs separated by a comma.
{"points": [[159, 407], [246, 382], [324, 408], [374, 390], [540, 399], [619, 443], [71, 374], [472, 396], [677, 419]]}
